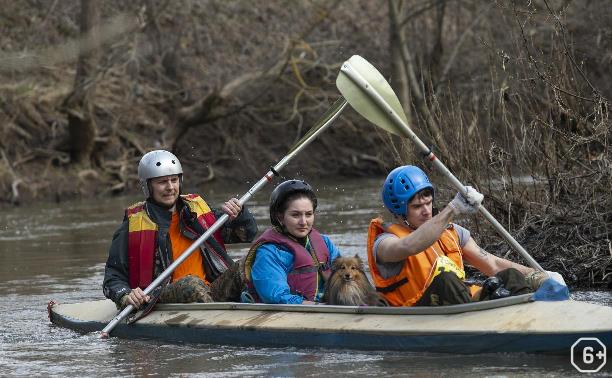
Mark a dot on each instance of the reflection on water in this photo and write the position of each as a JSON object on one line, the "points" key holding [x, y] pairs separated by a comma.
{"points": [[57, 252]]}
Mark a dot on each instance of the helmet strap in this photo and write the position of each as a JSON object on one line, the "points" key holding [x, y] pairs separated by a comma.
{"points": [[149, 189], [283, 230], [302, 241], [150, 198], [167, 207], [407, 224]]}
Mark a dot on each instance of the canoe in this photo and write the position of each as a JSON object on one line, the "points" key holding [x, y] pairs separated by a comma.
{"points": [[514, 324]]}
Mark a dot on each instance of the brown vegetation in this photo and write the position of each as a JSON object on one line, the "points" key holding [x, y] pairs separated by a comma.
{"points": [[500, 89], [535, 108]]}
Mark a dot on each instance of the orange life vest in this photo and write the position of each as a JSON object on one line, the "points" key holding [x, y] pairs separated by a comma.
{"points": [[142, 238], [193, 265], [407, 287]]}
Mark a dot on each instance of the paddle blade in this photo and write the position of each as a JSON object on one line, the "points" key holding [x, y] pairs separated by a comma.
{"points": [[358, 81]]}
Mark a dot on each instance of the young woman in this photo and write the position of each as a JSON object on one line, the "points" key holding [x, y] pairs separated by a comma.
{"points": [[290, 262]]}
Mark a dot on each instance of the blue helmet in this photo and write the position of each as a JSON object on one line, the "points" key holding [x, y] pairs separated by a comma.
{"points": [[401, 185]]}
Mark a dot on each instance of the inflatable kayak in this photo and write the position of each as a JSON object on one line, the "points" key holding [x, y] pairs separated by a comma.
{"points": [[514, 324]]}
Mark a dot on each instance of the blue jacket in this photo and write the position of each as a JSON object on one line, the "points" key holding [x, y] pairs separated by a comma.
{"points": [[270, 268]]}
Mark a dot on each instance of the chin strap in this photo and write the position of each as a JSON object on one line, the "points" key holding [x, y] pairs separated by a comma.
{"points": [[406, 223], [302, 241], [161, 204]]}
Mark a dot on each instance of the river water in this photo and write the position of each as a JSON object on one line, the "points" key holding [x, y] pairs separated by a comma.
{"points": [[57, 252]]}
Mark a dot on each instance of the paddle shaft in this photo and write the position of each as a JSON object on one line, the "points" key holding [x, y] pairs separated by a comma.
{"points": [[337, 108], [358, 79]]}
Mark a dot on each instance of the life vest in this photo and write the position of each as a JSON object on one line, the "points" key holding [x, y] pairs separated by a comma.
{"points": [[303, 279], [407, 287], [142, 236]]}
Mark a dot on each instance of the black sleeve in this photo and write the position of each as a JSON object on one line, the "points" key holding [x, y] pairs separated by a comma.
{"points": [[240, 230], [116, 283]]}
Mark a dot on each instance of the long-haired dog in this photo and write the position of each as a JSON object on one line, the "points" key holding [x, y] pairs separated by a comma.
{"points": [[348, 285]]}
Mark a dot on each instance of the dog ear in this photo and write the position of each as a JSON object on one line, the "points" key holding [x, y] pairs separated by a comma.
{"points": [[336, 264], [359, 261]]}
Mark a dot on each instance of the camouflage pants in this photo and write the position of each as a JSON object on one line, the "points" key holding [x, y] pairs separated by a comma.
{"points": [[186, 290], [189, 289], [229, 285]]}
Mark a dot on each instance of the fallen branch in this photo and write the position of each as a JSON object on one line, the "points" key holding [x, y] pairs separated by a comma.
{"points": [[371, 158], [211, 174], [16, 179]]}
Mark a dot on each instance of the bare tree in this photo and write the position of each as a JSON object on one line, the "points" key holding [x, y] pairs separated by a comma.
{"points": [[399, 76], [221, 100], [78, 105], [399, 16]]}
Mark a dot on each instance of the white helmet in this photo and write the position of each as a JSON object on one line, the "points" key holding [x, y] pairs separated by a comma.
{"points": [[156, 164]]}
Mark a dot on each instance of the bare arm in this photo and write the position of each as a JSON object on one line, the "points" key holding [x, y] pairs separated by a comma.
{"points": [[396, 249], [487, 263]]}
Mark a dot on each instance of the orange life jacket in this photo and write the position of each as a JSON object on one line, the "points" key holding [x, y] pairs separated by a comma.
{"points": [[407, 287], [142, 237], [193, 265]]}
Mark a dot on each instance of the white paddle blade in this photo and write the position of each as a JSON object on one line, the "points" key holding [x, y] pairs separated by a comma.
{"points": [[358, 81]]}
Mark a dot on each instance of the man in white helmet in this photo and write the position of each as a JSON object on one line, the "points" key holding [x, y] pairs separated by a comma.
{"points": [[157, 231]]}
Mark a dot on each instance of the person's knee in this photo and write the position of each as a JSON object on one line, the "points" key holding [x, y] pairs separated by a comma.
{"points": [[449, 280], [229, 286], [510, 274], [446, 289], [514, 281], [187, 289]]}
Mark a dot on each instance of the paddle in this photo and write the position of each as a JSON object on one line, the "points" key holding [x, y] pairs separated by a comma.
{"points": [[332, 113], [367, 91]]}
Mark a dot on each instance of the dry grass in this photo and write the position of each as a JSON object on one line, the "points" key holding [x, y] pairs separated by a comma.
{"points": [[533, 133]]}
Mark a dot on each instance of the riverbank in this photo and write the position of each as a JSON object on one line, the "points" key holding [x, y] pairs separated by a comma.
{"points": [[346, 208]]}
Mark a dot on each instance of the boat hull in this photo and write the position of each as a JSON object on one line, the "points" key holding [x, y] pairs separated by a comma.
{"points": [[524, 326]]}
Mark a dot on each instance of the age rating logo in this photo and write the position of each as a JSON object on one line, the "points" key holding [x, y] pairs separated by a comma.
{"points": [[588, 355]]}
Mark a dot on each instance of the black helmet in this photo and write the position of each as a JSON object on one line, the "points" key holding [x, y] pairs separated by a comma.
{"points": [[283, 191]]}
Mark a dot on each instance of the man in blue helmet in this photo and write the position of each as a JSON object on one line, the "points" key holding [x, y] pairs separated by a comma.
{"points": [[417, 260]]}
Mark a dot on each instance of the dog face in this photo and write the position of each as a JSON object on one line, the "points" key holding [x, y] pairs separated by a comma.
{"points": [[348, 284], [348, 268]]}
